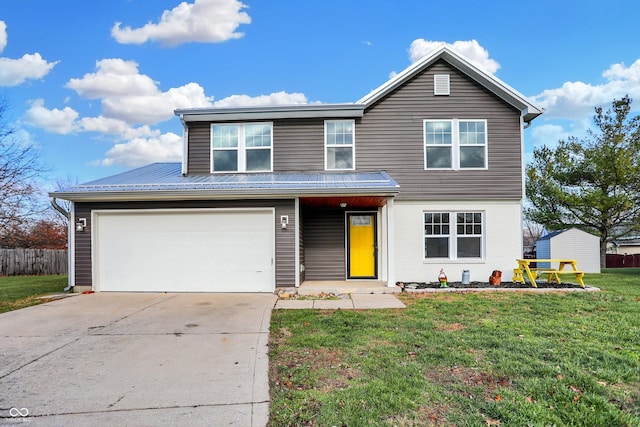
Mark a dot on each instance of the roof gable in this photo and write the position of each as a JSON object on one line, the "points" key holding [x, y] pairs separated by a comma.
{"points": [[491, 83]]}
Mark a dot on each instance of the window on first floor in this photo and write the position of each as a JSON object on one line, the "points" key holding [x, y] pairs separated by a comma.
{"points": [[339, 137], [453, 235], [243, 147], [455, 144]]}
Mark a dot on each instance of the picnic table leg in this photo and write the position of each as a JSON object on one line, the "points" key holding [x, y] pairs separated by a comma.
{"points": [[517, 276], [530, 276]]}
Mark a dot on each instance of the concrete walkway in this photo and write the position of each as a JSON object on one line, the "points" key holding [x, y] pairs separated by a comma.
{"points": [[142, 359], [356, 301]]}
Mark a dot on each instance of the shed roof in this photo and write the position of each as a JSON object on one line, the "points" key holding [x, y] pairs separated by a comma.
{"points": [[558, 232], [164, 181]]}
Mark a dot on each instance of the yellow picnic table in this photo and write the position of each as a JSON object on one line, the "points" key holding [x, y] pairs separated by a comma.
{"points": [[525, 270]]}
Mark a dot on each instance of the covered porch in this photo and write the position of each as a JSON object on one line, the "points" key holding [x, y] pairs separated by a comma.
{"points": [[344, 244]]}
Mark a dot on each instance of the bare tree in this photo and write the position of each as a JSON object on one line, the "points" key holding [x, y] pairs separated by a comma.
{"points": [[531, 233], [20, 168]]}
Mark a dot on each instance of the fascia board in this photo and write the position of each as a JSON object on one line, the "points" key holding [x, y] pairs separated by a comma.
{"points": [[272, 113], [122, 196]]}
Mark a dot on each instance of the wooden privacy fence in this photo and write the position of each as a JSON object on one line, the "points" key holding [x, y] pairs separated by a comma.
{"points": [[623, 261], [22, 262]]}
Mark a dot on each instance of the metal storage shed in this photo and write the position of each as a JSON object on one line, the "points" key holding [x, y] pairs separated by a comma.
{"points": [[571, 243]]}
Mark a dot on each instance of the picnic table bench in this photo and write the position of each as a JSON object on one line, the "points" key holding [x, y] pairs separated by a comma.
{"points": [[525, 270]]}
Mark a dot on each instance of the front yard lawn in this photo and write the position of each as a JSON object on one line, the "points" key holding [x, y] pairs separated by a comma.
{"points": [[495, 359], [22, 291]]}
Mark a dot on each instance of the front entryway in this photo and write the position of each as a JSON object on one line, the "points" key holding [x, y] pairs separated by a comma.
{"points": [[362, 247]]}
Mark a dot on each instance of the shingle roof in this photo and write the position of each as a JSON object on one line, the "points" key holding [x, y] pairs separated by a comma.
{"points": [[159, 181]]}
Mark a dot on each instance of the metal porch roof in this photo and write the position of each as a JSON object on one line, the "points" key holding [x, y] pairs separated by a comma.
{"points": [[164, 181]]}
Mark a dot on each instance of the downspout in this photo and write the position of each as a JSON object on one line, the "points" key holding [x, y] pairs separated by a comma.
{"points": [[185, 145], [56, 206]]}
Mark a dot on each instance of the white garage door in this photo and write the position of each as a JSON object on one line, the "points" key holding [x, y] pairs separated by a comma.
{"points": [[215, 250]]}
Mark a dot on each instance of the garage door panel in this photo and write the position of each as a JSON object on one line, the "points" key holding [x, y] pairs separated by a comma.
{"points": [[185, 251]]}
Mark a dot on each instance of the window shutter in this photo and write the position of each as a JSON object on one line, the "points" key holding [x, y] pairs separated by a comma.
{"points": [[441, 84]]}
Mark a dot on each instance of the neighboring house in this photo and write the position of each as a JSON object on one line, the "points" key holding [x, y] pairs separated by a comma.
{"points": [[571, 243], [625, 246], [423, 173]]}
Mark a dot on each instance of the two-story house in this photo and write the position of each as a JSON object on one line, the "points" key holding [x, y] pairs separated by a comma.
{"points": [[423, 173]]}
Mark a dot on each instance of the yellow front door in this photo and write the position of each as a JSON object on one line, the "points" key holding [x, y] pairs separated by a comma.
{"points": [[362, 245]]}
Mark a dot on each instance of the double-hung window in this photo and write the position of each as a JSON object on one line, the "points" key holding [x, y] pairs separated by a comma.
{"points": [[455, 144], [339, 142], [453, 235], [244, 147]]}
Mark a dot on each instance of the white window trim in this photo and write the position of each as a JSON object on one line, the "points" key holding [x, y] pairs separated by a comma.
{"points": [[241, 148], [453, 237], [352, 145], [455, 144]]}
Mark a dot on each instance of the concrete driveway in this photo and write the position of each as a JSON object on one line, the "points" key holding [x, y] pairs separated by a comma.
{"points": [[141, 359]]}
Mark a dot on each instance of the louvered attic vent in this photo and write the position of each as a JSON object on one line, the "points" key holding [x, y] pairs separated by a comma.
{"points": [[441, 84]]}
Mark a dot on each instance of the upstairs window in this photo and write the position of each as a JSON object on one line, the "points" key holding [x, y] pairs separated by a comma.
{"points": [[455, 144], [339, 138], [241, 147]]}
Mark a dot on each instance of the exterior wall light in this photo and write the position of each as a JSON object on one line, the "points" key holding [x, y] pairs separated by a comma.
{"points": [[343, 205], [284, 221], [81, 224]]}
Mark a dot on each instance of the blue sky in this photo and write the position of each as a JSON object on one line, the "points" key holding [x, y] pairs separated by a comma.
{"points": [[94, 83]]}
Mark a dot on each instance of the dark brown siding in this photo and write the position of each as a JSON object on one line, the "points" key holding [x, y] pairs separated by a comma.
{"points": [[390, 137], [324, 251], [199, 155], [285, 242]]}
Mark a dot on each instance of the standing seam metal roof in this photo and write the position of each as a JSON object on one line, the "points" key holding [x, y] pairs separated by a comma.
{"points": [[159, 177]]}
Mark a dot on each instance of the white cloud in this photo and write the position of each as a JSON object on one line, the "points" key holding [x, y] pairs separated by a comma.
{"points": [[547, 134], [16, 71], [55, 120], [132, 97], [156, 107], [141, 151], [470, 49], [576, 100], [277, 98], [3, 35], [116, 127], [204, 21], [114, 77], [65, 121]]}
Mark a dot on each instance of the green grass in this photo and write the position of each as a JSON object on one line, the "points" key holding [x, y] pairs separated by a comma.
{"points": [[521, 359], [23, 291]]}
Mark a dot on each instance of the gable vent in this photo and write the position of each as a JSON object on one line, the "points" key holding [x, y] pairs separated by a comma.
{"points": [[441, 84]]}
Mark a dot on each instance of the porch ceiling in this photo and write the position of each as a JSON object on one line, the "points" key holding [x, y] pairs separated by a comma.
{"points": [[351, 201]]}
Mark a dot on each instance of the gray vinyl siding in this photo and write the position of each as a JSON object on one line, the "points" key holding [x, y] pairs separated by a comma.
{"points": [[324, 245], [199, 154], [390, 137], [285, 238], [298, 145]]}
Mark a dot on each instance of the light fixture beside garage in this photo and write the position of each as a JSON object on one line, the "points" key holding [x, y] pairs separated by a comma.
{"points": [[284, 220], [343, 205], [81, 224]]}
